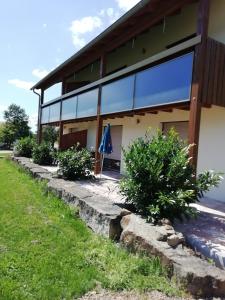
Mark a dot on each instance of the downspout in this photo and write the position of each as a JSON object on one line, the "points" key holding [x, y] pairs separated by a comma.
{"points": [[39, 116]]}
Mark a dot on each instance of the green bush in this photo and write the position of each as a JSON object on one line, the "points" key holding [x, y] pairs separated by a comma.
{"points": [[75, 164], [160, 180], [24, 147], [43, 154]]}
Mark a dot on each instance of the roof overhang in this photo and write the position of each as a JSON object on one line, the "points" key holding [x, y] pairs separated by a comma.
{"points": [[142, 9]]}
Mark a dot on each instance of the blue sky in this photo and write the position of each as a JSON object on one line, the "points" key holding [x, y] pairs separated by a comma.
{"points": [[36, 36]]}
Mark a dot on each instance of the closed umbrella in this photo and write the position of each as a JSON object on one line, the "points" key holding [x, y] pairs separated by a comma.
{"points": [[106, 144]]}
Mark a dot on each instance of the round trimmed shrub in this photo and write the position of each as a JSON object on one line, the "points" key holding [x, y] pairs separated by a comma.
{"points": [[43, 154], [24, 147], [161, 181], [75, 164]]}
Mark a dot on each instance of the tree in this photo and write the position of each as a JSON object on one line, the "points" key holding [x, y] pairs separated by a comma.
{"points": [[50, 135], [6, 135], [15, 126]]}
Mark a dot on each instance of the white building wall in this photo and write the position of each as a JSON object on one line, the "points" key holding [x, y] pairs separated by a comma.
{"points": [[132, 129], [90, 126], [211, 154]]}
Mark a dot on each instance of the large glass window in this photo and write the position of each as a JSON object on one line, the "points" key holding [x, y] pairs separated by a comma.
{"points": [[69, 108], [87, 104], [118, 95], [53, 92], [45, 115], [54, 114], [165, 83]]}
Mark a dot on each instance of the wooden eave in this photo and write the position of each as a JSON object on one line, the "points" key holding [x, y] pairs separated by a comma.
{"points": [[143, 16]]}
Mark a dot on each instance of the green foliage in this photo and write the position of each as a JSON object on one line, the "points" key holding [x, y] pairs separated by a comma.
{"points": [[7, 135], [24, 147], [48, 253], [49, 135], [43, 154], [160, 180], [75, 164], [16, 125]]}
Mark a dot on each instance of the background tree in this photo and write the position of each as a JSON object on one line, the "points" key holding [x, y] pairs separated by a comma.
{"points": [[50, 135], [15, 125]]}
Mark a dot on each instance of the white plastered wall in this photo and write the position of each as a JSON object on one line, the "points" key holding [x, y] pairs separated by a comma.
{"points": [[212, 146], [90, 126], [132, 129]]}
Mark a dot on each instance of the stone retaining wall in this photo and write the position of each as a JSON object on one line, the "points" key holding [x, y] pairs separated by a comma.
{"points": [[199, 277]]}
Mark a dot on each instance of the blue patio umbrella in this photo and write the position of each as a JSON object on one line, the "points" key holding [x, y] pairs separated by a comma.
{"points": [[106, 144]]}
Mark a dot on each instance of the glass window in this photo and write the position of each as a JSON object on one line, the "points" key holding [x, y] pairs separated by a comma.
{"points": [[181, 127], [165, 83], [118, 95], [87, 104], [54, 114], [69, 108], [45, 115], [53, 92]]}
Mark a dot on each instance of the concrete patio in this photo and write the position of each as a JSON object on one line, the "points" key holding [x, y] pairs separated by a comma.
{"points": [[205, 234]]}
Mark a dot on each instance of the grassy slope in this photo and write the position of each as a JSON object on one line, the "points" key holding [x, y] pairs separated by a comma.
{"points": [[46, 253]]}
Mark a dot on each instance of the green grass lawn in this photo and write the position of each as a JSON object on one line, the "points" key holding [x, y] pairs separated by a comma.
{"points": [[48, 253]]}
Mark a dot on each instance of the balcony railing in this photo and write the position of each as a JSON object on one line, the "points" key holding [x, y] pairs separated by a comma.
{"points": [[162, 84]]}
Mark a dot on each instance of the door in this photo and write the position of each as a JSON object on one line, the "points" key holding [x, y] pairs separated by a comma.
{"points": [[112, 161]]}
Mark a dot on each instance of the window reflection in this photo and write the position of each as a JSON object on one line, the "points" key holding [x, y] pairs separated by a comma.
{"points": [[69, 108], [166, 83], [118, 95], [54, 114], [45, 115], [87, 104]]}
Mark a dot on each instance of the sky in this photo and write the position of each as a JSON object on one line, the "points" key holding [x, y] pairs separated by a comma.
{"points": [[37, 36]]}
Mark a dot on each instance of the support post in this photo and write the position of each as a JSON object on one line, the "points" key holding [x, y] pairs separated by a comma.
{"points": [[97, 168], [39, 131], [197, 81], [60, 127], [60, 134]]}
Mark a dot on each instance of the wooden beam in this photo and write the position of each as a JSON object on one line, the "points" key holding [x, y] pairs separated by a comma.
{"points": [[197, 81], [167, 110], [41, 101], [144, 23], [97, 168], [60, 133], [146, 110]]}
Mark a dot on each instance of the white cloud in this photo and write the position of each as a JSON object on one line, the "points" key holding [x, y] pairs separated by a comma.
{"points": [[25, 85], [125, 5], [102, 13], [80, 27], [44, 25], [110, 12], [40, 73]]}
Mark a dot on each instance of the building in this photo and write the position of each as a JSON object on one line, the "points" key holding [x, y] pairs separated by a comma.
{"points": [[161, 65]]}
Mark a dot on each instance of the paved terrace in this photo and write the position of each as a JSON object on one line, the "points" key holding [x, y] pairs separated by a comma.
{"points": [[205, 234]]}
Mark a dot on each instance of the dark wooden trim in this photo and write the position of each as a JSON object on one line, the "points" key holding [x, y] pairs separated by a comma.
{"points": [[214, 74], [197, 81], [39, 133], [150, 19], [60, 134], [151, 110]]}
